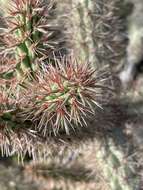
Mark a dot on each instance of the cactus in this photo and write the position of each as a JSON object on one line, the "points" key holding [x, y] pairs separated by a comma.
{"points": [[64, 96], [29, 37], [13, 133], [118, 169], [82, 30], [59, 100], [61, 177], [61, 96], [95, 39]]}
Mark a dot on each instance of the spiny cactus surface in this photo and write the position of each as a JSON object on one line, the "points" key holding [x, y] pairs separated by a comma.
{"points": [[60, 99], [118, 167], [61, 95], [81, 30], [30, 34], [98, 35], [97, 30], [64, 96]]}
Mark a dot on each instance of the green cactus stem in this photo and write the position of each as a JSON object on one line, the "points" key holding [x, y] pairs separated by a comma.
{"points": [[29, 36]]}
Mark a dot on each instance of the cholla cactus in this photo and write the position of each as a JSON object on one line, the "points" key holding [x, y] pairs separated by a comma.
{"points": [[30, 34], [16, 137], [95, 39], [81, 29], [8, 121], [92, 35], [62, 96]]}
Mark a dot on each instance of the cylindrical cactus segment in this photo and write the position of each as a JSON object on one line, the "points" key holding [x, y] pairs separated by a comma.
{"points": [[82, 24], [93, 36], [15, 136], [7, 107], [29, 33], [117, 167], [64, 96]]}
